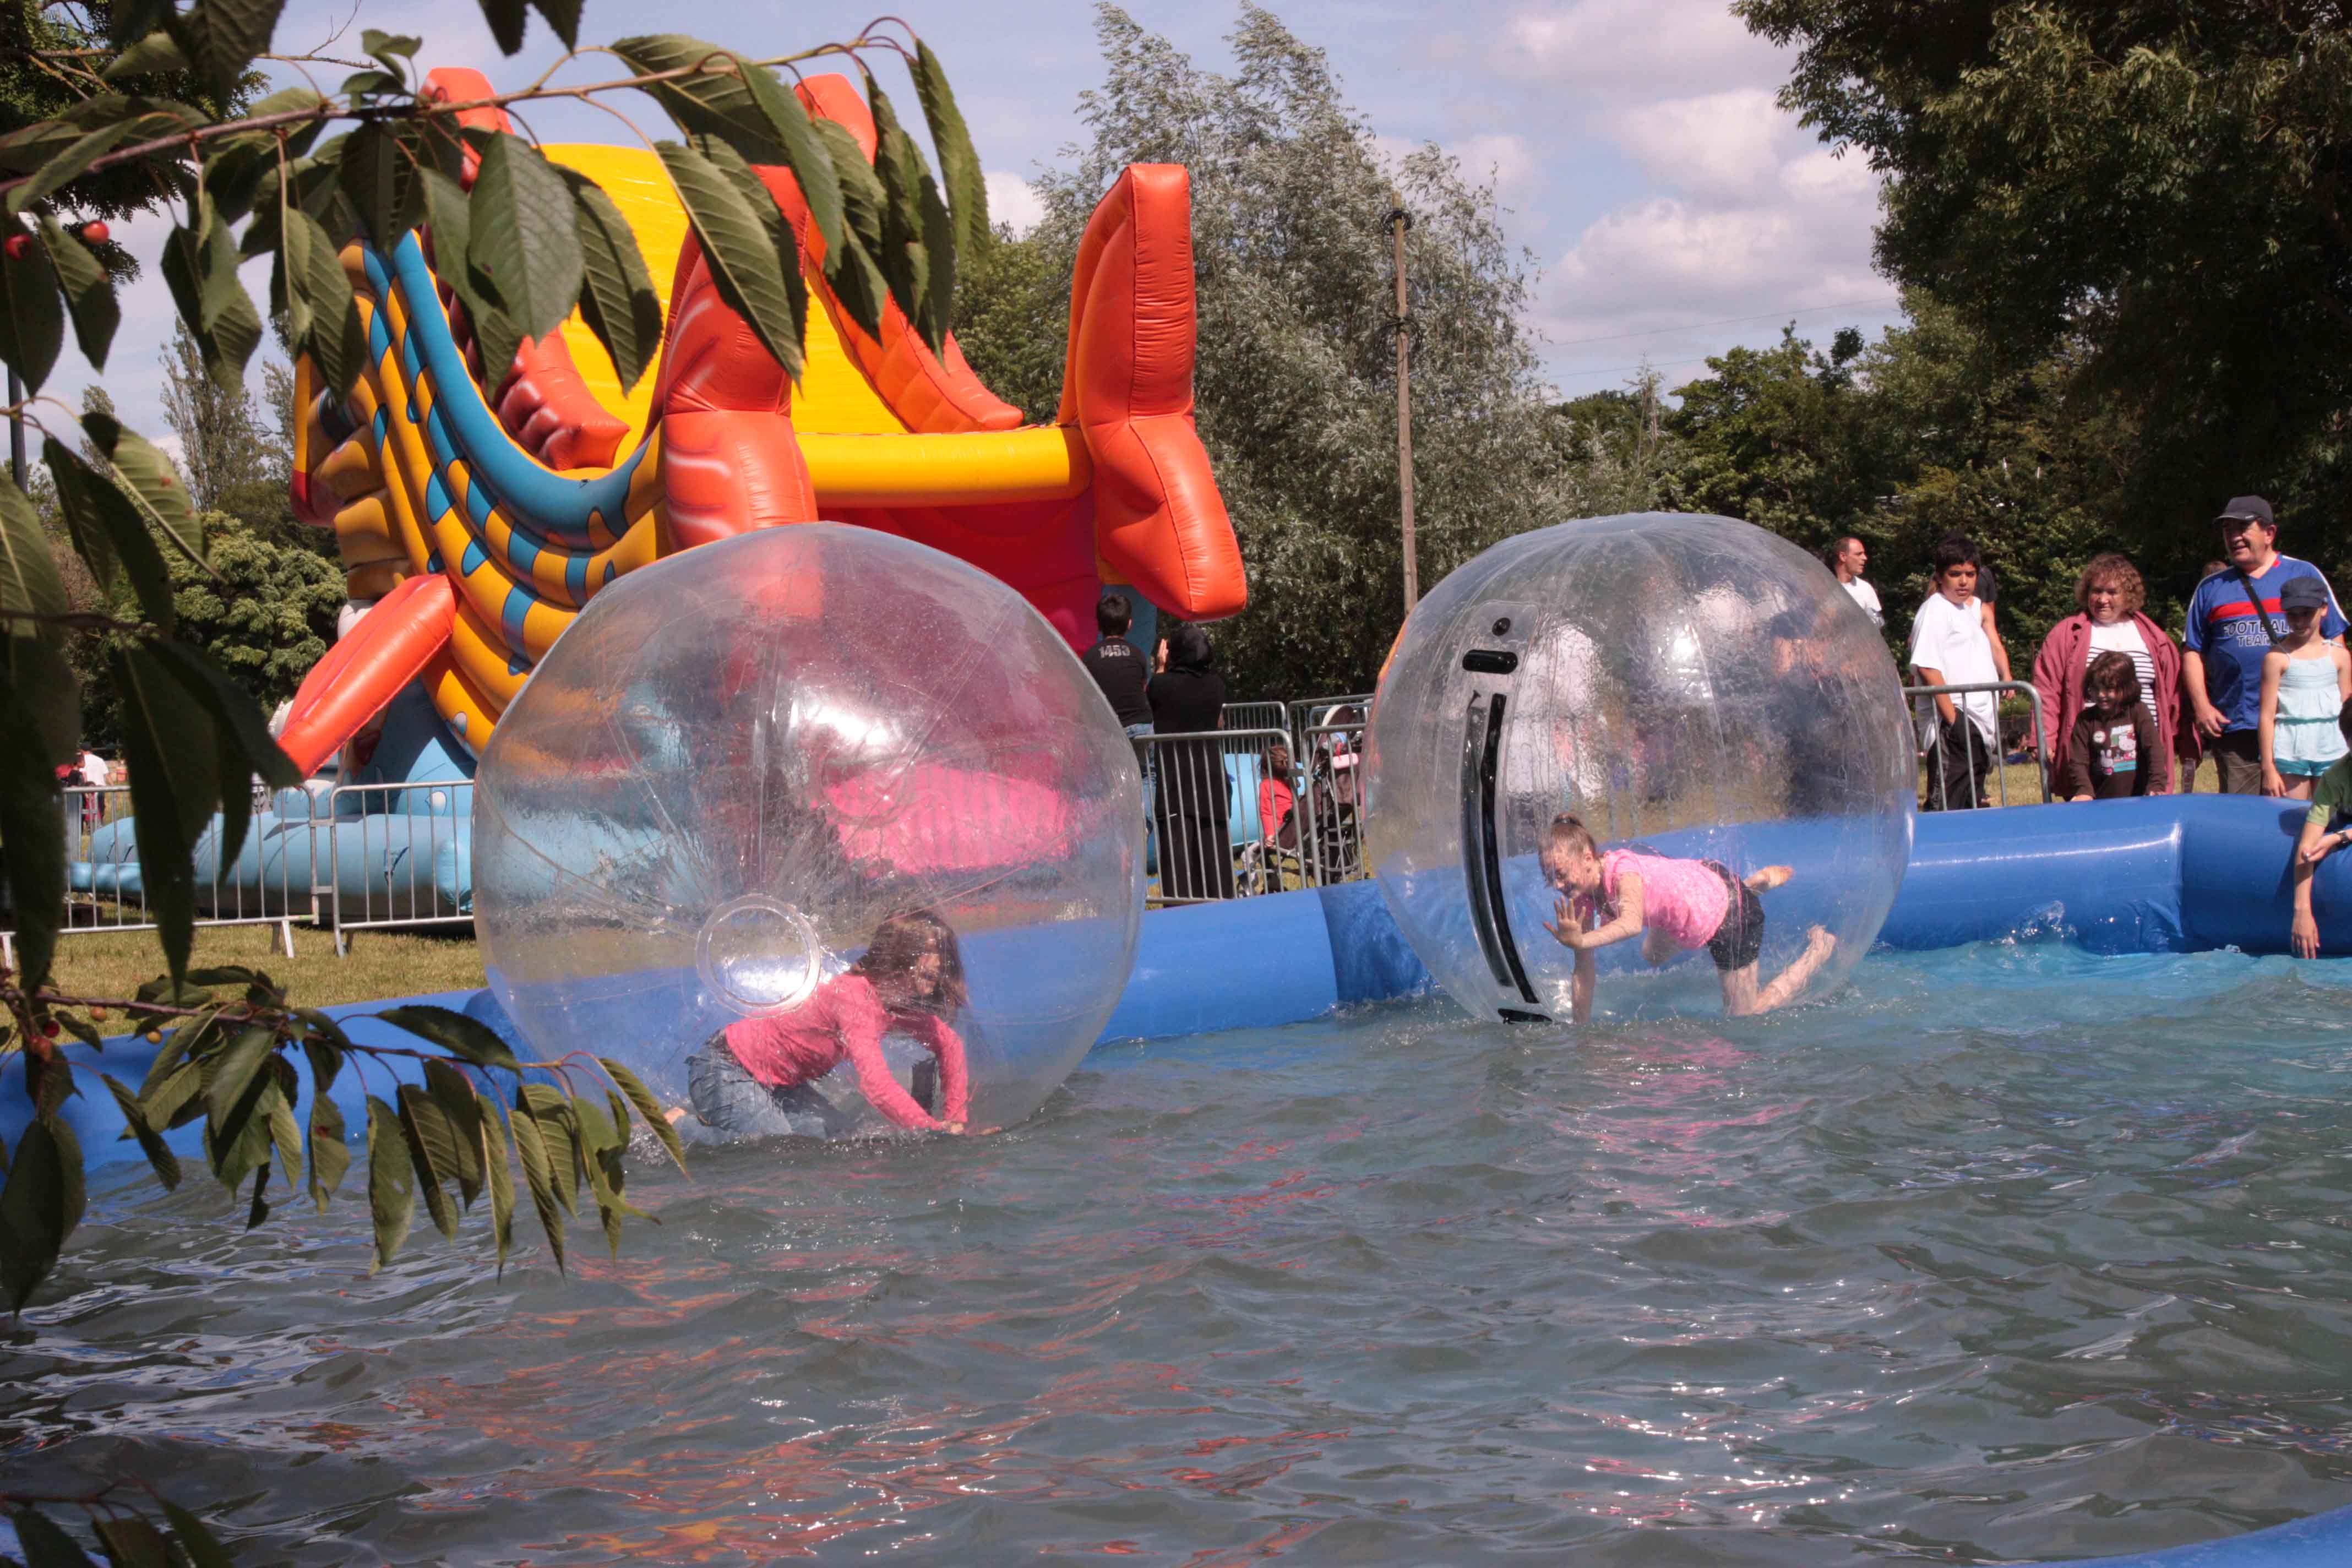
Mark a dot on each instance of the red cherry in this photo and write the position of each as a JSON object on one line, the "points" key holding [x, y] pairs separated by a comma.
{"points": [[19, 246], [49, 1029], [94, 234]]}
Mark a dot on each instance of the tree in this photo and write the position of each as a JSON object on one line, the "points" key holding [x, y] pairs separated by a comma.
{"points": [[1296, 372], [174, 610], [233, 461], [2155, 191]]}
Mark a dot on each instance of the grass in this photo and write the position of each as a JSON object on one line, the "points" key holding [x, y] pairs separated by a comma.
{"points": [[2024, 783], [381, 963]]}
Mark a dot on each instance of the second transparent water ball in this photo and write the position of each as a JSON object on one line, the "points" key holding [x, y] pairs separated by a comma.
{"points": [[1689, 685]]}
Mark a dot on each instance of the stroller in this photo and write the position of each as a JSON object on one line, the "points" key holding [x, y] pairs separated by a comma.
{"points": [[1335, 782]]}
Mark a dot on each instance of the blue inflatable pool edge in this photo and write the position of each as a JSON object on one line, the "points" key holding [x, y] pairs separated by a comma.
{"points": [[2169, 874]]}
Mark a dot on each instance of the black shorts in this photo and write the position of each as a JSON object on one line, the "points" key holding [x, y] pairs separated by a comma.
{"points": [[1739, 942]]}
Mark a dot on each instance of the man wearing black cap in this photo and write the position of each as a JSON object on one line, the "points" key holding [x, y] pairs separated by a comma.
{"points": [[2233, 618]]}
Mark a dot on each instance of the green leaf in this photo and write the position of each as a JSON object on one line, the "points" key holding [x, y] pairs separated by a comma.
{"points": [[39, 1207], [431, 1148], [331, 1149], [448, 211], [285, 1132], [153, 55], [195, 1538], [233, 713], [804, 154], [322, 313], [32, 320], [908, 195], [718, 103], [220, 38], [507, 20], [466, 1038], [38, 672], [649, 1110], [492, 1128], [97, 510], [959, 170], [44, 1544], [849, 267], [392, 1181], [524, 237], [538, 1173], [550, 1114], [153, 484], [75, 159], [380, 177], [30, 827], [172, 1101], [174, 787], [29, 584], [135, 1118], [392, 49], [88, 291], [616, 295], [454, 1093], [750, 277], [233, 1086], [201, 271], [132, 1541]]}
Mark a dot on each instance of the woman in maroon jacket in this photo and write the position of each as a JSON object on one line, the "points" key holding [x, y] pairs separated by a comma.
{"points": [[2111, 596]]}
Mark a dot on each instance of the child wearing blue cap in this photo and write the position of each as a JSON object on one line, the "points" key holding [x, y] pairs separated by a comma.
{"points": [[2306, 683]]}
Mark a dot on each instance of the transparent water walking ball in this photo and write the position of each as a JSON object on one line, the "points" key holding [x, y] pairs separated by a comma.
{"points": [[1686, 684], [742, 760]]}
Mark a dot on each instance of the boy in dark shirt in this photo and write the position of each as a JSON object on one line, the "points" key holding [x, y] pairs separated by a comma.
{"points": [[1117, 667], [2115, 736]]}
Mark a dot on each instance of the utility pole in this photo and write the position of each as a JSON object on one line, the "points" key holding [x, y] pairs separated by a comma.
{"points": [[1399, 221]]}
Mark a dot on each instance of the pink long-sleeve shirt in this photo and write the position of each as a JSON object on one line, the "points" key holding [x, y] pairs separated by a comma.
{"points": [[847, 1018]]}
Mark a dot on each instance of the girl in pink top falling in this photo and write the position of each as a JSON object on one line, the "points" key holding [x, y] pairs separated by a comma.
{"points": [[756, 1078], [1681, 905]]}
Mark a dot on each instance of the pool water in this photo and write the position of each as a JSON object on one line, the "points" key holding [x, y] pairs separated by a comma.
{"points": [[2012, 1253]]}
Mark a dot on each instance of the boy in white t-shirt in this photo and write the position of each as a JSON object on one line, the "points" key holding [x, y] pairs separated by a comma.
{"points": [[1951, 645]]}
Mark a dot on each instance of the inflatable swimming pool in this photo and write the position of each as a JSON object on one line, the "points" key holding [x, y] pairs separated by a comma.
{"points": [[2119, 878]]}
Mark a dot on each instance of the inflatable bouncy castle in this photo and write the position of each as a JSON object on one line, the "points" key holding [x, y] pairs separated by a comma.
{"points": [[478, 508]]}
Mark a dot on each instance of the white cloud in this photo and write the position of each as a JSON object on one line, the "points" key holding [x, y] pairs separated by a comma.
{"points": [[1724, 146], [1012, 200], [1502, 157], [1624, 47]]}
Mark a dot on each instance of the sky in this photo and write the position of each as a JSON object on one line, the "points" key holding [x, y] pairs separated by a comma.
{"points": [[1669, 207]]}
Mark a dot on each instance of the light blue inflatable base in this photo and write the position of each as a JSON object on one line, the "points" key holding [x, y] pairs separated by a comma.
{"points": [[2158, 874]]}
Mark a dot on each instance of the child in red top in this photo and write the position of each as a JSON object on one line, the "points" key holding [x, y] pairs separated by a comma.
{"points": [[1682, 905], [756, 1078]]}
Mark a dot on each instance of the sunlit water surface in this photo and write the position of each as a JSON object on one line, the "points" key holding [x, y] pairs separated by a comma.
{"points": [[2012, 1253]]}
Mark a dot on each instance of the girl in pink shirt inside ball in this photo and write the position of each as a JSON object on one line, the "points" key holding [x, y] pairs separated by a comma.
{"points": [[1679, 906]]}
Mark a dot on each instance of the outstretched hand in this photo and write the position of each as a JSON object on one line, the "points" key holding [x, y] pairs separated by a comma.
{"points": [[1564, 924]]}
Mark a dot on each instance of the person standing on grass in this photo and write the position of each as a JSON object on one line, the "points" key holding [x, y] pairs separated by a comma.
{"points": [[2324, 833], [1119, 669], [1847, 557], [1952, 644], [2112, 620], [2235, 620], [2306, 683], [1190, 816]]}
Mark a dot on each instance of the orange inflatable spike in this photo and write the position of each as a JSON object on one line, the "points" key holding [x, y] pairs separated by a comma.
{"points": [[731, 462], [392, 645], [1128, 384], [548, 408]]}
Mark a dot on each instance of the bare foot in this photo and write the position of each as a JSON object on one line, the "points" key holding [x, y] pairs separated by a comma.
{"points": [[1818, 945], [1770, 877]]}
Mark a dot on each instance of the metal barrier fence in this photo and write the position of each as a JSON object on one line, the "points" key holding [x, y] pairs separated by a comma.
{"points": [[268, 884], [1236, 812], [1308, 712], [412, 847], [1254, 716], [1958, 758]]}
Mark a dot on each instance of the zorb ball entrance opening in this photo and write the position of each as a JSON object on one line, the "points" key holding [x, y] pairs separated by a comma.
{"points": [[755, 767], [1687, 685]]}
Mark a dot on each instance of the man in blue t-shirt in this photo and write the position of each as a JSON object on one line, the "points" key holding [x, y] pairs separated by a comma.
{"points": [[2233, 619]]}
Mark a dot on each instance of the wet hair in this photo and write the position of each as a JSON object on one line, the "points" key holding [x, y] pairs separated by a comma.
{"points": [[1188, 646], [2110, 570], [1957, 550], [898, 944], [2113, 671], [1113, 615], [1569, 832]]}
